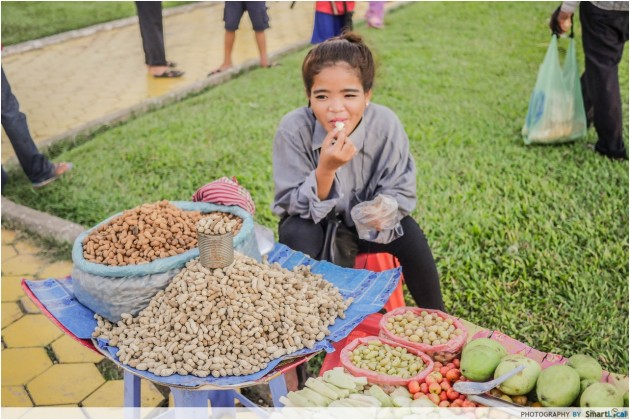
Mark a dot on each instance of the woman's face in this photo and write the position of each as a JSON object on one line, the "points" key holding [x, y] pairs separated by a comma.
{"points": [[337, 96]]}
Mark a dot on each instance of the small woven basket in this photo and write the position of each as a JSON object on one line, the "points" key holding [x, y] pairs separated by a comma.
{"points": [[216, 251]]}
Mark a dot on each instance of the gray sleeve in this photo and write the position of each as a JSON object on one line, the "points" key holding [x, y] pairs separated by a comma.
{"points": [[398, 178], [569, 6], [294, 180]]}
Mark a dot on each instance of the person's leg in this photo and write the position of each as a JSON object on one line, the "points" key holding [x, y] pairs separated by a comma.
{"points": [[35, 165], [375, 14], [261, 42], [5, 178], [232, 14], [302, 235], [152, 33], [257, 11], [604, 34], [418, 265], [228, 45]]}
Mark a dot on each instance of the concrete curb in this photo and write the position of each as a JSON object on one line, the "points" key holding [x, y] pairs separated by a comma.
{"points": [[42, 224]]}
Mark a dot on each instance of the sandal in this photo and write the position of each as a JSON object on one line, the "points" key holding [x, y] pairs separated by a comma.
{"points": [[218, 70], [60, 169], [169, 74], [268, 66]]}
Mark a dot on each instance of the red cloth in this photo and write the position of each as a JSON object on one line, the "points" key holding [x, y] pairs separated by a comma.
{"points": [[326, 7], [226, 192]]}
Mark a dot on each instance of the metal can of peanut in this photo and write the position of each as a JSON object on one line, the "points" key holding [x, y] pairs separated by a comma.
{"points": [[216, 251]]}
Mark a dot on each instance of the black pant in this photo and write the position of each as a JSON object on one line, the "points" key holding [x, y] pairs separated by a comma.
{"points": [[36, 166], [411, 249], [152, 32], [604, 34]]}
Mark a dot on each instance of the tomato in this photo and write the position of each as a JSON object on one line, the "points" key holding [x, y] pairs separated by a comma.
{"points": [[453, 374], [413, 386]]}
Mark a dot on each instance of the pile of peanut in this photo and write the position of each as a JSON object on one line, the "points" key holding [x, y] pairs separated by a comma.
{"points": [[426, 328], [142, 234], [219, 223], [229, 321]]}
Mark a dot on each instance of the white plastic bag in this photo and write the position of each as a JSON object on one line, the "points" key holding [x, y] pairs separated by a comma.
{"points": [[377, 220], [556, 109]]}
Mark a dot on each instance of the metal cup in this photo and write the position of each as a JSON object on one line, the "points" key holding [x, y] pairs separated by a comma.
{"points": [[216, 251]]}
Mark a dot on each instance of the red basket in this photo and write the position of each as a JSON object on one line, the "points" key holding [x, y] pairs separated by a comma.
{"points": [[440, 353], [378, 378]]}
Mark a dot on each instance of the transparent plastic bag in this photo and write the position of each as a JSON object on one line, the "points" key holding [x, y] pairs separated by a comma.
{"points": [[377, 220], [556, 109]]}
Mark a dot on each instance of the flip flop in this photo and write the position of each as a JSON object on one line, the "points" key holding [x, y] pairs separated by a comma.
{"points": [[169, 74], [60, 169], [171, 64], [268, 66], [217, 71]]}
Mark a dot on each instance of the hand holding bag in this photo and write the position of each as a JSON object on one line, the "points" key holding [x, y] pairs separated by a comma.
{"points": [[556, 108]]}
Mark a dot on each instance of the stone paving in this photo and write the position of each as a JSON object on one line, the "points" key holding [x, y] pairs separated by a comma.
{"points": [[41, 366], [99, 76]]}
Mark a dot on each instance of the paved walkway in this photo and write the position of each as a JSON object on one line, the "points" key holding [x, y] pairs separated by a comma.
{"points": [[73, 83]]}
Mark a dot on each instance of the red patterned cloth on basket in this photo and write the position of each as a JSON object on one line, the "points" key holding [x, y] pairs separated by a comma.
{"points": [[227, 192]]}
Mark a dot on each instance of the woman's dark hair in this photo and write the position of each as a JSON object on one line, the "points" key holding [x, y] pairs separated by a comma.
{"points": [[346, 48]]}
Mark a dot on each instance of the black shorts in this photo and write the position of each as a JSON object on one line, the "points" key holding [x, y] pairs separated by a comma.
{"points": [[233, 12]]}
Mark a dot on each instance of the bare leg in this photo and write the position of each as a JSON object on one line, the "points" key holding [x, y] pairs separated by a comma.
{"points": [[261, 42], [228, 46]]}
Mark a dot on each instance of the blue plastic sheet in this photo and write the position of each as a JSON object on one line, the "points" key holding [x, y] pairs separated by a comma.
{"points": [[370, 292]]}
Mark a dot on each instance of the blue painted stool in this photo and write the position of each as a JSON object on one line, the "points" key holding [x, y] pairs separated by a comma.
{"points": [[196, 401]]}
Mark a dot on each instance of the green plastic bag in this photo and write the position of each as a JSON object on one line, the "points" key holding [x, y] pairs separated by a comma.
{"points": [[556, 109]]}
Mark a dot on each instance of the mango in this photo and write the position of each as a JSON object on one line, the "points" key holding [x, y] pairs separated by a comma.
{"points": [[558, 386], [522, 382], [486, 342], [586, 366], [601, 394], [478, 364], [585, 383]]}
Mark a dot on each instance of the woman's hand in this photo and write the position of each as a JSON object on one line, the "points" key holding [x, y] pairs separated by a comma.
{"points": [[336, 151]]}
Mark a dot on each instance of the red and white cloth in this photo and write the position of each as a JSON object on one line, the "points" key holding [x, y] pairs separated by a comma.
{"points": [[226, 192]]}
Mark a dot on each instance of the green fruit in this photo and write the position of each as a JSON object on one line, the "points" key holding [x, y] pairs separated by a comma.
{"points": [[601, 395], [488, 343], [522, 382], [478, 364], [558, 386], [585, 383], [586, 366]]}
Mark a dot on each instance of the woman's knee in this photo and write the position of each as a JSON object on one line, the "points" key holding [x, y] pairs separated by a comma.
{"points": [[302, 235]]}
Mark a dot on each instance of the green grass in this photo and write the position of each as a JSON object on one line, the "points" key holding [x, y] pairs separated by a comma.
{"points": [[531, 241], [28, 20]]}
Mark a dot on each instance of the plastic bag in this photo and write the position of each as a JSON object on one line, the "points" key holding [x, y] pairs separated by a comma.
{"points": [[440, 353], [112, 290], [378, 378], [556, 108], [377, 220]]}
